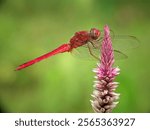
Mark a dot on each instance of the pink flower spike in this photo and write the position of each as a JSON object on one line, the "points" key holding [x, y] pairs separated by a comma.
{"points": [[104, 97]]}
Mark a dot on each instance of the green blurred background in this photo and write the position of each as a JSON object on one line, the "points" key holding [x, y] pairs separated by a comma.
{"points": [[29, 28]]}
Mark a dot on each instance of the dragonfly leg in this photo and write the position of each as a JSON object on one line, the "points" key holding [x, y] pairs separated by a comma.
{"points": [[93, 44], [92, 53], [99, 39]]}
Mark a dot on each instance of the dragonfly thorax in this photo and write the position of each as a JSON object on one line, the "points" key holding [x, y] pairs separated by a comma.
{"points": [[80, 38]]}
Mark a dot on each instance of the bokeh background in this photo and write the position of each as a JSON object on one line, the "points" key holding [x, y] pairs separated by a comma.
{"points": [[63, 83]]}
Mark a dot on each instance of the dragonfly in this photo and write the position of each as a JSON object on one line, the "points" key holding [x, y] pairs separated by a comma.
{"points": [[91, 41]]}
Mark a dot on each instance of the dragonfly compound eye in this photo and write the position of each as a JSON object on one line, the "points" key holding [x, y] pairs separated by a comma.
{"points": [[94, 33]]}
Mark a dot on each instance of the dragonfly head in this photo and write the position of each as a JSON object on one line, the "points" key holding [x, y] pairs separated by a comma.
{"points": [[94, 33]]}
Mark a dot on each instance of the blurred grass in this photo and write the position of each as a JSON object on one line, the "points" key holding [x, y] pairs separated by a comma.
{"points": [[29, 28]]}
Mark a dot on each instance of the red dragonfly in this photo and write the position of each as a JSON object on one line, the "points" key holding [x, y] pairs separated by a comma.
{"points": [[91, 40]]}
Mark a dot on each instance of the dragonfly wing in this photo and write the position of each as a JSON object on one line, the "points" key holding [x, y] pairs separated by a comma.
{"points": [[118, 55], [124, 42], [83, 52], [96, 51], [88, 52], [121, 44]]}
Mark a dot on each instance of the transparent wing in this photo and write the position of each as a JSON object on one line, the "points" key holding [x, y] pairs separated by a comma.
{"points": [[96, 51], [88, 52], [121, 44], [124, 42], [84, 53]]}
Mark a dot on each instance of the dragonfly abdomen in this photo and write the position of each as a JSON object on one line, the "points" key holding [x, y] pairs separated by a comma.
{"points": [[60, 49]]}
